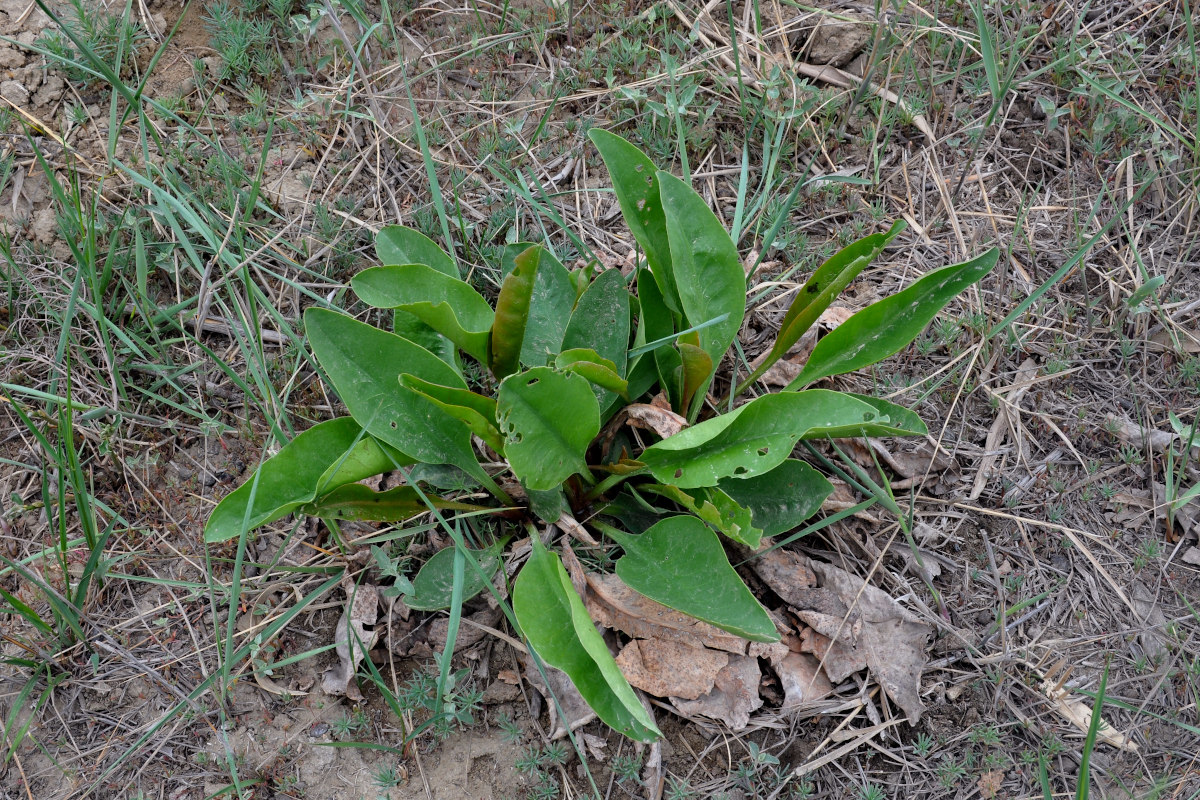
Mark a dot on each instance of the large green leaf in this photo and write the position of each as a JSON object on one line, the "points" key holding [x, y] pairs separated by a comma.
{"points": [[548, 419], [556, 624], [397, 244], [889, 325], [512, 313], [600, 322], [357, 502], [756, 437], [715, 507], [475, 411], [781, 499], [704, 261], [680, 563], [821, 289], [635, 181], [656, 323], [549, 306], [364, 365], [449, 306], [321, 458], [434, 582]]}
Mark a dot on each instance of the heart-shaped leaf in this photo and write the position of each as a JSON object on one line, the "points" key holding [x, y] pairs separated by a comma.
{"points": [[886, 327], [434, 583], [680, 563], [557, 626], [781, 499], [321, 458], [512, 313], [548, 419], [449, 306]]}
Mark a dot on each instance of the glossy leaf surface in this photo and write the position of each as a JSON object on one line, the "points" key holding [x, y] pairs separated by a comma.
{"points": [[595, 368], [364, 365], [715, 507], [635, 181], [886, 327], [396, 244], [548, 419], [321, 458], [708, 273], [475, 411], [600, 322], [753, 438], [550, 305], [680, 563], [447, 305], [512, 314], [781, 499], [557, 626]]}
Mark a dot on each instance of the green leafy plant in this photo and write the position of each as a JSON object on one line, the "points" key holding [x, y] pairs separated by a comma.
{"points": [[569, 358]]}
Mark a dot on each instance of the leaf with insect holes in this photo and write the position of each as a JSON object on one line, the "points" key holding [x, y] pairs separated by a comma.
{"points": [[557, 626], [364, 365], [886, 327], [447, 305], [758, 436], [548, 419], [512, 313], [680, 563], [635, 181], [318, 460], [715, 507]]}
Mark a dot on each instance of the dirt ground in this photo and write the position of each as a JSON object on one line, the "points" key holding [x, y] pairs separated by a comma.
{"points": [[1049, 565]]}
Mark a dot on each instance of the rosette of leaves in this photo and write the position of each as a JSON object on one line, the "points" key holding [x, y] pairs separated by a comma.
{"points": [[562, 353]]}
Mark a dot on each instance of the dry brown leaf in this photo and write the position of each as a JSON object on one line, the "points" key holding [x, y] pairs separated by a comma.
{"points": [[572, 526], [916, 463], [354, 637], [662, 421], [990, 783], [786, 572], [733, 697], [1191, 556], [1008, 421], [842, 499], [802, 680], [1187, 516], [1131, 433], [1079, 713], [839, 659], [614, 605], [671, 669], [866, 619]]}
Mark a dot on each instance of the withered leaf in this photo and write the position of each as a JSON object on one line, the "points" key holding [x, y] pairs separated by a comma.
{"points": [[802, 680], [671, 669], [354, 636], [733, 698]]}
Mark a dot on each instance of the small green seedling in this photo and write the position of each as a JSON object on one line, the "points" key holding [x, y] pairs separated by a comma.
{"points": [[569, 358]]}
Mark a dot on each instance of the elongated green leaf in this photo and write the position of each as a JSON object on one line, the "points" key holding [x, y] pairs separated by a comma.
{"points": [[900, 420], [434, 582], [357, 502], [888, 326], [512, 314], [753, 438], [593, 366], [409, 327], [635, 181], [822, 288], [704, 261], [781, 499], [716, 508], [549, 306], [696, 367], [656, 323], [321, 458], [449, 306], [600, 322], [680, 563], [556, 624], [397, 244], [548, 419], [364, 365], [475, 411]]}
